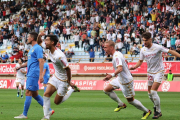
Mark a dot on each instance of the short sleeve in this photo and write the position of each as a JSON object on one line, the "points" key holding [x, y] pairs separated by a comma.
{"points": [[118, 61], [141, 55], [64, 62], [163, 49], [39, 52], [24, 69]]}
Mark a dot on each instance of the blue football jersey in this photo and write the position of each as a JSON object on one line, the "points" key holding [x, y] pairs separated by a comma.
{"points": [[35, 53]]}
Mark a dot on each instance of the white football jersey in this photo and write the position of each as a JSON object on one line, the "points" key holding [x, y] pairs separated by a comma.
{"points": [[153, 57], [119, 60], [19, 73], [59, 61]]}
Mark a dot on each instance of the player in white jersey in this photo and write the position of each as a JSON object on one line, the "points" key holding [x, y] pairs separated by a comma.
{"points": [[152, 53], [20, 77], [124, 80], [61, 79]]}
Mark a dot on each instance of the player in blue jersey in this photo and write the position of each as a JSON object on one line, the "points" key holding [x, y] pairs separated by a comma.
{"points": [[34, 73], [46, 73]]}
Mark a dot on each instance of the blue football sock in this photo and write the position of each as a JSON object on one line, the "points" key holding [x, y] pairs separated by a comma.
{"points": [[27, 103], [39, 99], [45, 89]]}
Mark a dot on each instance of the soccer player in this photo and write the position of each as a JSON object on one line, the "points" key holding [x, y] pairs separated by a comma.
{"points": [[60, 80], [124, 80], [46, 73], [34, 73], [152, 53], [20, 77]]}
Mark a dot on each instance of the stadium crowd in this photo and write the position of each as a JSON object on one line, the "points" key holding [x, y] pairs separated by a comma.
{"points": [[89, 23]]}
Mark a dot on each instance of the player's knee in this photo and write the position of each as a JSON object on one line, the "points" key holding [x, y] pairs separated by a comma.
{"points": [[106, 92], [153, 92], [130, 100], [46, 94], [57, 102]]}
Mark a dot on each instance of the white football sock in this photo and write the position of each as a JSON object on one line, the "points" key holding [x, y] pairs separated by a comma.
{"points": [[156, 100], [68, 94], [113, 96], [46, 106], [22, 92], [151, 98], [138, 105]]}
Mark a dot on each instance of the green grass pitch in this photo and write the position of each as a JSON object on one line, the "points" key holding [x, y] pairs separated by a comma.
{"points": [[89, 105]]}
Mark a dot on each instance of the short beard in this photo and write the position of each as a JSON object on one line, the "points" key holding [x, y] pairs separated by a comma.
{"points": [[29, 42]]}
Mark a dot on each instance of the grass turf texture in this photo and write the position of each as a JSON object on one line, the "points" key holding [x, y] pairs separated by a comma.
{"points": [[88, 105]]}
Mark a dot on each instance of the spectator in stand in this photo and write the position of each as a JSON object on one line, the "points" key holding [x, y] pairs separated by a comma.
{"points": [[91, 42], [68, 33], [135, 50], [168, 43], [177, 43], [69, 56], [173, 40], [86, 47], [63, 46], [119, 45], [76, 40], [5, 39], [71, 50], [91, 55]]}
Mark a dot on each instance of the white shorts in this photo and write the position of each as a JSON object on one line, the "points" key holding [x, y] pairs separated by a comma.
{"points": [[158, 77], [61, 86], [127, 89], [20, 80]]}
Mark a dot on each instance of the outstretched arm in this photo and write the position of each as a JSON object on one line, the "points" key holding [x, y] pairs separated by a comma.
{"points": [[137, 65], [174, 53]]}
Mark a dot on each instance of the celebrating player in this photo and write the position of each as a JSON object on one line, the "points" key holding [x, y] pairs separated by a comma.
{"points": [[124, 80], [152, 53], [34, 73], [46, 73], [20, 77], [60, 80]]}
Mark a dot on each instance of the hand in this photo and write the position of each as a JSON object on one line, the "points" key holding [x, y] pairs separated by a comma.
{"points": [[42, 33], [132, 68], [41, 78], [21, 70], [108, 77], [72, 84], [14, 75]]}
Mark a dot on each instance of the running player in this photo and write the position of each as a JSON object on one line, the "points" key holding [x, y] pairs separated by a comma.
{"points": [[152, 53], [46, 73], [124, 80], [20, 77], [34, 73], [60, 80]]}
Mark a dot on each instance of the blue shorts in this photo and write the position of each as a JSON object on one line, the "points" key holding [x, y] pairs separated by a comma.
{"points": [[32, 83], [46, 80]]}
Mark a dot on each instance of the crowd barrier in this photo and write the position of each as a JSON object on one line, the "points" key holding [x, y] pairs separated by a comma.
{"points": [[139, 85], [98, 68]]}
